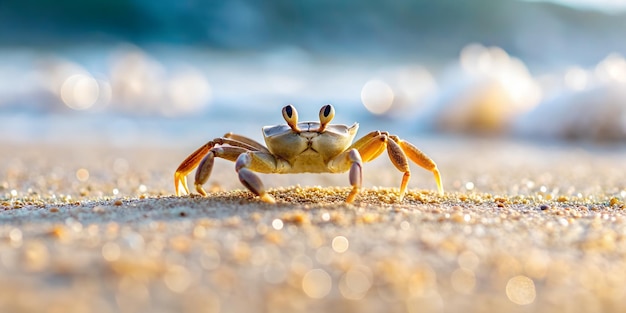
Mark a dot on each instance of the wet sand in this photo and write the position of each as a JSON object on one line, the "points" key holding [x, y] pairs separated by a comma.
{"points": [[521, 228]]}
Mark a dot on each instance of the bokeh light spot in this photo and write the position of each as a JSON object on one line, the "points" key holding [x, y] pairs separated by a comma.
{"points": [[576, 78], [377, 96], [612, 69], [277, 224], [521, 290], [355, 283], [177, 278], [340, 244], [82, 175], [80, 91], [111, 251], [463, 281], [316, 283], [189, 91]]}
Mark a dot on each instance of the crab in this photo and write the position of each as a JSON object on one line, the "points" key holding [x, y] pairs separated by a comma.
{"points": [[303, 147]]}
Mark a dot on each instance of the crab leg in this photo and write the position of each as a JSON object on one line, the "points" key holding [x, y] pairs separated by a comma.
{"points": [[365, 140], [260, 162], [399, 151], [192, 161], [180, 176], [371, 145], [204, 168], [356, 174], [376, 145], [399, 160], [251, 142], [420, 159], [350, 160]]}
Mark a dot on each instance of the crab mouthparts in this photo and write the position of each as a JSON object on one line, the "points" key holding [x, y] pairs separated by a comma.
{"points": [[309, 149]]}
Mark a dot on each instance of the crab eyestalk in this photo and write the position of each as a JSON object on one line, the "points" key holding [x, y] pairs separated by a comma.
{"points": [[291, 117], [327, 113]]}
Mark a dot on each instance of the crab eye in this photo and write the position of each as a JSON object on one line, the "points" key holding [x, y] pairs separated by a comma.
{"points": [[327, 113], [291, 117]]}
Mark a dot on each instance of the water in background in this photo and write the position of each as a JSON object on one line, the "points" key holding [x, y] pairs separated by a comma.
{"points": [[138, 72]]}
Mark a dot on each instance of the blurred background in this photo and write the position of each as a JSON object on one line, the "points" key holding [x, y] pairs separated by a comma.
{"points": [[127, 72]]}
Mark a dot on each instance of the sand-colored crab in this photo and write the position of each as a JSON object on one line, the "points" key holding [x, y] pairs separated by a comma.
{"points": [[301, 147]]}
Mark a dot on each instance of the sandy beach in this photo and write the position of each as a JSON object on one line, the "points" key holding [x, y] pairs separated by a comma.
{"points": [[522, 227], [521, 104]]}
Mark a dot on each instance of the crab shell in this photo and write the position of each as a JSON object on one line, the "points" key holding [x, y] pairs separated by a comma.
{"points": [[309, 150]]}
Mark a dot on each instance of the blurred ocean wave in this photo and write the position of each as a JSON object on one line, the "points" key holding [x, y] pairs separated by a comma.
{"points": [[484, 92], [489, 92], [584, 103], [125, 70], [127, 90]]}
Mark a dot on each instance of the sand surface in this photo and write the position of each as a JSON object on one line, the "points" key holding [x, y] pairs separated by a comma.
{"points": [[522, 228]]}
